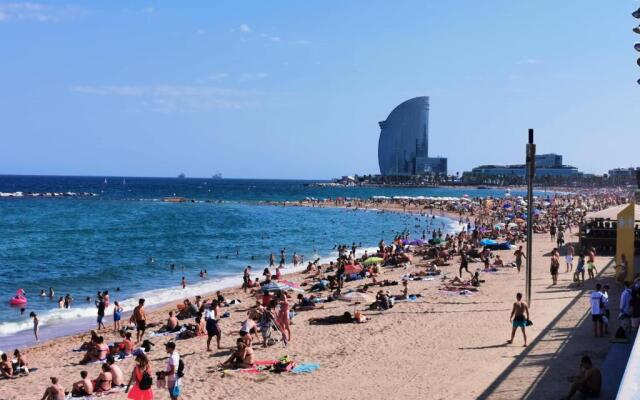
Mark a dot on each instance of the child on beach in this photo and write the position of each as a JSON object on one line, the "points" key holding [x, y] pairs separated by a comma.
{"points": [[117, 316]]}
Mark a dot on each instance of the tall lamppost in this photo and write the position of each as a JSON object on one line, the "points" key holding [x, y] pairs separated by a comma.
{"points": [[636, 15], [531, 172]]}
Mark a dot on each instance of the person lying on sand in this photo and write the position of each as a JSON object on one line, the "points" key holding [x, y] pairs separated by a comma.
{"points": [[305, 303], [241, 358], [83, 387]]}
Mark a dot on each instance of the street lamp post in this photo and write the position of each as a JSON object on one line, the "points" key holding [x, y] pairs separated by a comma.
{"points": [[531, 171], [636, 14]]}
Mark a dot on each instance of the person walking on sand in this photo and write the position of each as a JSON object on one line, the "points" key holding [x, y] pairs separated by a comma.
{"points": [[140, 318], [464, 263], [272, 260], [519, 256], [211, 321], [518, 319], [100, 304], [569, 257], [36, 325], [171, 371], [246, 278], [141, 378], [597, 310], [555, 266]]}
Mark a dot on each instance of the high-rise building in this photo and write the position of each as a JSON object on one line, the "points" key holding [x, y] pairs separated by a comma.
{"points": [[403, 147]]}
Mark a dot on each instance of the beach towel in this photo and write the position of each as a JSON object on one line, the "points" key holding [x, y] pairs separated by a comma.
{"points": [[305, 368], [114, 390]]}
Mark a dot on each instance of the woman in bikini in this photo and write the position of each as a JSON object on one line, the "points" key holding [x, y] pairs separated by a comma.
{"points": [[283, 316], [103, 382]]}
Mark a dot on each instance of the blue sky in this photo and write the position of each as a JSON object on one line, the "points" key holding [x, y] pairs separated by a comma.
{"points": [[295, 89]]}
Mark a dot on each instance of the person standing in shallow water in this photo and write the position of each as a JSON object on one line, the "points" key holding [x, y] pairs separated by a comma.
{"points": [[519, 318], [36, 325]]}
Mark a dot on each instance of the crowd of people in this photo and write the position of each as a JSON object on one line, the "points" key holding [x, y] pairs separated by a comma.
{"points": [[486, 226]]}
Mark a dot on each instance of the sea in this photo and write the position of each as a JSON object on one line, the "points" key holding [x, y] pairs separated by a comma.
{"points": [[81, 235]]}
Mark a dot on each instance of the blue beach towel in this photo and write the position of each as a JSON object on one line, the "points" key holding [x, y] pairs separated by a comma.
{"points": [[305, 368]]}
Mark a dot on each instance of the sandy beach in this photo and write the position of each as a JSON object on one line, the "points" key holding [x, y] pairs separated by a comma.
{"points": [[440, 346]]}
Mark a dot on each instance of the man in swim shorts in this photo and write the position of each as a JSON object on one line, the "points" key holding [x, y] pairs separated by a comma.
{"points": [[140, 319], [464, 263], [518, 319], [519, 255]]}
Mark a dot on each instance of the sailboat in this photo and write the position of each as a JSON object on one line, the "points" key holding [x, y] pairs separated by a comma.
{"points": [[105, 181], [124, 181]]}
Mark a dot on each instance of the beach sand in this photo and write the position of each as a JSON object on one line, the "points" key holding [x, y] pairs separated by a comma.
{"points": [[439, 347]]}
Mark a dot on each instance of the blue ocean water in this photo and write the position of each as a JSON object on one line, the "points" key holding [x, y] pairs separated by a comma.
{"points": [[80, 245]]}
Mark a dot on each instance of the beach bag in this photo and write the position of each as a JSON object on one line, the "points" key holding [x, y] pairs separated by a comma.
{"points": [[175, 392], [529, 322], [146, 381], [620, 333], [180, 371]]}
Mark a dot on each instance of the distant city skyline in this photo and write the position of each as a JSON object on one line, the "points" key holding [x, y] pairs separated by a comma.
{"points": [[296, 89]]}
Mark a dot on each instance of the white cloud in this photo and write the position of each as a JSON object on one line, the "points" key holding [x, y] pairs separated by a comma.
{"points": [[148, 10], [28, 11], [244, 28], [531, 61], [178, 98], [298, 42], [253, 76], [217, 76]]}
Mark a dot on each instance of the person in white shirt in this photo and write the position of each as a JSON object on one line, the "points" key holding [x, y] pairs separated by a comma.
{"points": [[597, 310], [172, 369]]}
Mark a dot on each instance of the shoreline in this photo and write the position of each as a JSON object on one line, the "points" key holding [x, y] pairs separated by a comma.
{"points": [[461, 329], [67, 327]]}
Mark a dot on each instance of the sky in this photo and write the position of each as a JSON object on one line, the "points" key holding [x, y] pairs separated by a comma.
{"points": [[295, 89]]}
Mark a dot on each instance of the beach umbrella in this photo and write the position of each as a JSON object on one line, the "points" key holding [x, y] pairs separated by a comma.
{"points": [[292, 286], [274, 287], [356, 297], [435, 241], [372, 260], [416, 242], [486, 242], [353, 268]]}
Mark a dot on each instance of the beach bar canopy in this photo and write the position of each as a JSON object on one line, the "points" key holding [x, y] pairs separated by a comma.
{"points": [[611, 213]]}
